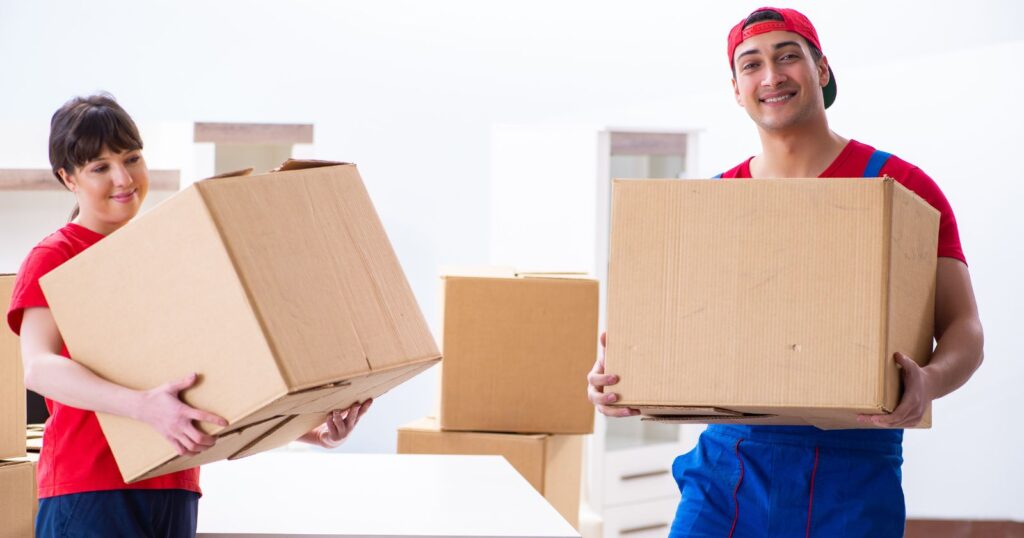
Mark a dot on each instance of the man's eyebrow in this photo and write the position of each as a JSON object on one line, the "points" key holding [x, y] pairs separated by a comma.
{"points": [[778, 46]]}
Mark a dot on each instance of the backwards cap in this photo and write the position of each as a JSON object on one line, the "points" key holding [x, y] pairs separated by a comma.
{"points": [[792, 21]]}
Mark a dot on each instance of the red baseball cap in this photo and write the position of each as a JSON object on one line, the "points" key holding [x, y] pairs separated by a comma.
{"points": [[792, 21]]}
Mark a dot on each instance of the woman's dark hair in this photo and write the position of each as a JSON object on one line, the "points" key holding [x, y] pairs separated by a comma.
{"points": [[81, 128]]}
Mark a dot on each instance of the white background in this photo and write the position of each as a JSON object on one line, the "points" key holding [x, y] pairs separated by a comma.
{"points": [[410, 89]]}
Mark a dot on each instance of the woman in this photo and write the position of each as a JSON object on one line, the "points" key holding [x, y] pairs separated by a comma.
{"points": [[96, 153]]}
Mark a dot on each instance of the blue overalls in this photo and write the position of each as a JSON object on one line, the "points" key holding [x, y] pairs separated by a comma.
{"points": [[792, 481]]}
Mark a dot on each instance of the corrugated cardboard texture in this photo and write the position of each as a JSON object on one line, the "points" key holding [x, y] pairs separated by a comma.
{"points": [[761, 295], [550, 463], [361, 313], [139, 464], [515, 352], [266, 285], [563, 468], [12, 382], [913, 243], [17, 499]]}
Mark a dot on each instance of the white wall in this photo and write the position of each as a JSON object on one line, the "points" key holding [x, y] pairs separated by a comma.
{"points": [[409, 90]]}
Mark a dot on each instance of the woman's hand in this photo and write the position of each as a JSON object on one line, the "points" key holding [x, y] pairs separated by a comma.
{"points": [[163, 409], [338, 426]]}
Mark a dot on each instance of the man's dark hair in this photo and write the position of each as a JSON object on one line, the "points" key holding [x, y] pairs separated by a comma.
{"points": [[769, 15]]}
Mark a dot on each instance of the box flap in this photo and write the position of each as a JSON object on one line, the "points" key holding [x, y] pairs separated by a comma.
{"points": [[227, 445], [304, 164], [668, 410]]}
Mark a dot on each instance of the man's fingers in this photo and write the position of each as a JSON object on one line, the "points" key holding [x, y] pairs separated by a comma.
{"points": [[599, 380], [909, 367], [617, 411]]}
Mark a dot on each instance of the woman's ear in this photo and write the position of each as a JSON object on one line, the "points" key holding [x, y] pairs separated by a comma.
{"points": [[67, 179]]}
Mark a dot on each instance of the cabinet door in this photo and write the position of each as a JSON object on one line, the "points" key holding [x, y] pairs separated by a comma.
{"points": [[651, 519], [639, 474]]}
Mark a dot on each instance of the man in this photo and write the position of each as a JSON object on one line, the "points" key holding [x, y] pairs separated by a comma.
{"points": [[795, 480]]}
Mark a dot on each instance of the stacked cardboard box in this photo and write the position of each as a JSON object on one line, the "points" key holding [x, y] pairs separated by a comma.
{"points": [[768, 301], [517, 351], [280, 290], [17, 476]]}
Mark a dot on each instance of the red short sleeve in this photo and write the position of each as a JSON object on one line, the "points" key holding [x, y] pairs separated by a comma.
{"points": [[27, 293], [949, 235]]}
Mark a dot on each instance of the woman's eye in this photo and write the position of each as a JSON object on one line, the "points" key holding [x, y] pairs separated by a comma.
{"points": [[100, 169], [133, 159]]}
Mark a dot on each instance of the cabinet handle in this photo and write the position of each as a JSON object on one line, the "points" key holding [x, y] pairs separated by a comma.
{"points": [[645, 528], [648, 474]]}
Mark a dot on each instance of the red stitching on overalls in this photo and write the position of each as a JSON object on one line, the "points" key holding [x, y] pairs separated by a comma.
{"points": [[810, 499], [736, 490]]}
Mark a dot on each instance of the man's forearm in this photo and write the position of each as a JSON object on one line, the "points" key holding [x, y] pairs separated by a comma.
{"points": [[957, 355]]}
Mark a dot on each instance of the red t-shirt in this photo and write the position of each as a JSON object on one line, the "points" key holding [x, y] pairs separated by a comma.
{"points": [[852, 161], [75, 457]]}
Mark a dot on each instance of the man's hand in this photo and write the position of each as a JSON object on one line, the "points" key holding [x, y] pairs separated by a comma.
{"points": [[338, 426], [597, 380], [917, 396], [163, 409]]}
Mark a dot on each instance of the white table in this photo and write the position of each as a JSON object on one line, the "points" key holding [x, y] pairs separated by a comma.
{"points": [[379, 495]]}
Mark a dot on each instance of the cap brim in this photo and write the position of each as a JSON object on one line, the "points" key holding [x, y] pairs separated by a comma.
{"points": [[829, 91]]}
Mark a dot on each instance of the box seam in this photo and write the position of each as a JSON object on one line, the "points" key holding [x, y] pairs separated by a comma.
{"points": [[267, 337], [887, 202]]}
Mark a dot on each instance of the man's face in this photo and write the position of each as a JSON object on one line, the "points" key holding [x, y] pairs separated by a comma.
{"points": [[777, 80]]}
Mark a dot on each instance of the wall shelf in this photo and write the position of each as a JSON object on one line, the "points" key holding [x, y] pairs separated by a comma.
{"points": [[41, 179], [253, 133]]}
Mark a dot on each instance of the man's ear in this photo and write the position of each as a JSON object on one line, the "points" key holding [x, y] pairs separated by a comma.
{"points": [[736, 92], [823, 72]]}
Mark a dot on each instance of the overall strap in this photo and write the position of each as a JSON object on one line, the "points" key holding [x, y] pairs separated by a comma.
{"points": [[875, 163]]}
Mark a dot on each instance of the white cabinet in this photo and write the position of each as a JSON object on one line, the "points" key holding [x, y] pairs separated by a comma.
{"points": [[651, 519], [550, 207]]}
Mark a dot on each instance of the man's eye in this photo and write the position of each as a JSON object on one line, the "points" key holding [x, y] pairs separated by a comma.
{"points": [[748, 66]]}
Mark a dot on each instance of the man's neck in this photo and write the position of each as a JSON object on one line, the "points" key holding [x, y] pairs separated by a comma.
{"points": [[797, 153]]}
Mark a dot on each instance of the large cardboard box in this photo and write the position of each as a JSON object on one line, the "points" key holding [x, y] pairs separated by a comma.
{"points": [[12, 382], [768, 301], [17, 499], [550, 463], [517, 352], [281, 290]]}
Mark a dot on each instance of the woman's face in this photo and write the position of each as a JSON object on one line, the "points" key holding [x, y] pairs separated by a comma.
{"points": [[110, 189]]}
